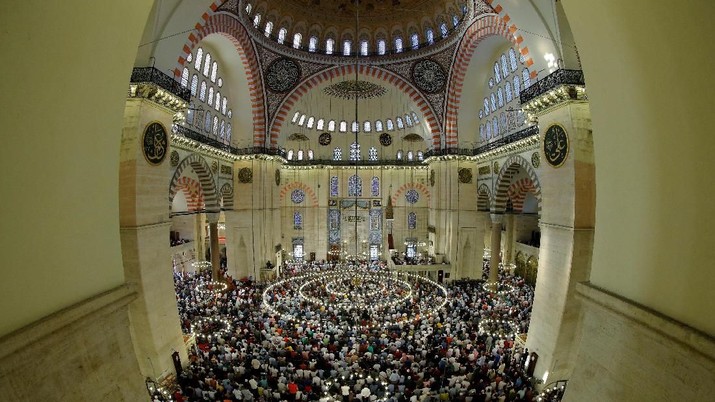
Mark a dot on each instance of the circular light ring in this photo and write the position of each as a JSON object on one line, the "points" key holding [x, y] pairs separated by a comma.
{"points": [[201, 265], [498, 328], [331, 388], [211, 287], [212, 327], [502, 289]]}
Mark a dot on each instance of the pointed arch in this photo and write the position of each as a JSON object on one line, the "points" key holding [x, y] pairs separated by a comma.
{"points": [[517, 193], [413, 185], [227, 196], [203, 172], [231, 28], [192, 191], [372, 71], [506, 175], [302, 186], [483, 197]]}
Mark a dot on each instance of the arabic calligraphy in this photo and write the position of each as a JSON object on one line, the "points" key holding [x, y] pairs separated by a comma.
{"points": [[556, 145], [155, 143]]}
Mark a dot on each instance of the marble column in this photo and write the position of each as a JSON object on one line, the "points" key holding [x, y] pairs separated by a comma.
{"points": [[510, 223], [495, 247], [215, 250]]}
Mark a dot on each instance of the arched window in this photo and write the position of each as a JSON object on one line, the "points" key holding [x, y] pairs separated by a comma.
{"points": [[378, 125], [420, 156], [355, 152], [410, 156], [207, 122], [301, 121], [526, 78], [199, 58], [399, 154], [269, 29], [486, 107], [343, 126], [389, 124], [228, 132], [367, 126], [443, 29], [347, 45], [295, 117], [223, 105], [220, 82], [481, 113], [312, 44], [400, 123], [310, 154], [337, 154], [415, 39], [290, 155], [320, 124], [512, 60], [455, 20], [355, 127], [488, 130], [398, 44], [502, 122], [331, 125], [329, 46], [517, 86], [222, 132], [495, 126], [185, 77], [297, 221], [494, 102], [429, 33], [210, 100], [497, 74], [189, 58], [334, 187], [412, 221], [482, 133], [375, 185], [230, 113], [500, 97], [372, 154], [257, 20], [297, 38], [381, 46], [363, 47], [408, 120], [300, 154], [415, 117], [202, 92], [207, 64], [282, 35], [190, 113], [215, 126], [354, 186], [311, 121], [507, 91], [248, 8], [214, 71], [194, 84], [504, 66]]}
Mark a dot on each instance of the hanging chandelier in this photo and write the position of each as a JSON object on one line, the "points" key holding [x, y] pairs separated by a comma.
{"points": [[355, 89]]}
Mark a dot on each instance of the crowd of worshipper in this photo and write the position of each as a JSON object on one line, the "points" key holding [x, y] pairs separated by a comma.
{"points": [[299, 338]]}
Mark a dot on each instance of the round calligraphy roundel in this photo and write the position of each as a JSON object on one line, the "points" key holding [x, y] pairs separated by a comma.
{"points": [[556, 145], [155, 143], [385, 139], [324, 139], [282, 75], [429, 76]]}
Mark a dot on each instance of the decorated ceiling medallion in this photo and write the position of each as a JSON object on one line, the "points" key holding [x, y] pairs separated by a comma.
{"points": [[556, 145], [155, 143], [412, 196], [282, 75], [278, 177], [297, 196], [535, 159], [174, 159], [465, 175], [352, 89], [385, 139], [325, 139], [429, 76], [245, 175]]}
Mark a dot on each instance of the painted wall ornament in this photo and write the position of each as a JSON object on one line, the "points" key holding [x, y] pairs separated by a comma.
{"points": [[432, 175], [535, 159], [282, 75], [325, 139], [495, 167], [155, 143], [429, 76], [465, 175], [385, 139], [556, 145], [174, 159], [278, 177], [245, 175]]}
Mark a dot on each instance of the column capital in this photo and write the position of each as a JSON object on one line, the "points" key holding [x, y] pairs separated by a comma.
{"points": [[497, 218], [213, 216]]}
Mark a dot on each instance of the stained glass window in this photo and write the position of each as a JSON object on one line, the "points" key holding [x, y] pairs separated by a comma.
{"points": [[363, 47], [248, 8], [355, 151], [415, 39], [408, 120], [500, 97], [337, 154], [398, 44], [381, 47], [502, 122], [230, 113], [223, 129], [331, 125], [343, 126], [372, 154], [312, 44], [488, 130], [217, 102], [320, 124], [355, 127], [481, 113], [412, 196], [415, 117], [420, 156], [375, 187], [295, 117], [215, 126], [347, 45], [378, 125], [300, 154], [497, 74], [190, 113], [494, 102], [367, 127], [526, 78], [199, 58], [399, 155], [389, 124], [481, 132], [430, 35], [228, 132], [214, 71], [297, 196], [354, 186], [512, 59], [507, 91], [334, 186], [282, 35], [297, 220], [269, 29], [301, 121], [257, 20], [211, 96], [220, 82], [207, 122], [311, 121], [411, 221], [207, 64], [329, 46], [516, 86], [443, 29], [486, 107], [495, 126], [185, 77], [194, 84], [410, 156], [189, 58], [297, 38], [504, 66], [202, 92], [224, 103], [455, 20], [310, 154], [289, 155], [400, 124], [491, 83]]}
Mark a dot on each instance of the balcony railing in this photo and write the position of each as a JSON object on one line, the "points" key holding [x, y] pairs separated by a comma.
{"points": [[215, 143], [155, 76], [361, 162], [519, 135], [551, 81]]}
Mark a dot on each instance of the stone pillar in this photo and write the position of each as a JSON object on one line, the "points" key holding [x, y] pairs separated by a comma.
{"points": [[215, 250], [496, 248], [199, 238], [510, 223]]}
